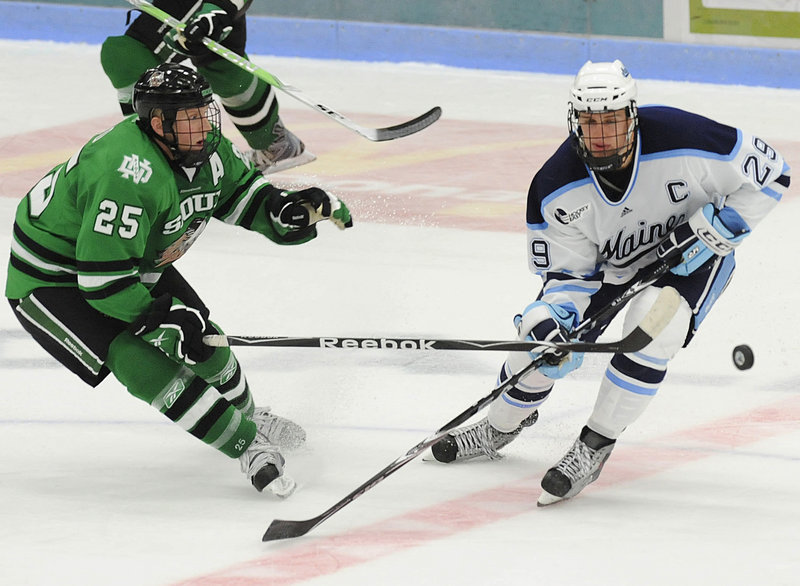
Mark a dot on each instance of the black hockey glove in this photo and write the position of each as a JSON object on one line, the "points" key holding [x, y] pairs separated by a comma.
{"points": [[175, 329], [296, 212], [210, 21]]}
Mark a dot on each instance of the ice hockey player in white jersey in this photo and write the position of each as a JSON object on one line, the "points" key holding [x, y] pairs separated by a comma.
{"points": [[630, 186]]}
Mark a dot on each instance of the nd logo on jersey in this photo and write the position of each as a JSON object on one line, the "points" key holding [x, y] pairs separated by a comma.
{"points": [[134, 168]]}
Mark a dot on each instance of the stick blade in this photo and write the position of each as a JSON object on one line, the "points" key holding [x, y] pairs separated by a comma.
{"points": [[406, 128], [280, 529]]}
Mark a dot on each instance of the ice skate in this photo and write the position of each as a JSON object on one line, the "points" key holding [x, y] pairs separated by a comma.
{"points": [[478, 439], [580, 467], [278, 430], [263, 464], [285, 152]]}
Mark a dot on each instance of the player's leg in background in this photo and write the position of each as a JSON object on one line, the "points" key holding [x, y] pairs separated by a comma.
{"points": [[126, 57], [253, 108]]}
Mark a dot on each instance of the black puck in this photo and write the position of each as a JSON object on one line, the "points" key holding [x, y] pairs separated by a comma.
{"points": [[743, 357]]}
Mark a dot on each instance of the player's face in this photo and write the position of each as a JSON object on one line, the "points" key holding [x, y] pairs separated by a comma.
{"points": [[605, 133], [191, 127]]}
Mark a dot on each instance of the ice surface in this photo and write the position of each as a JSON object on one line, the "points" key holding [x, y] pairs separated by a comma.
{"points": [[98, 488]]}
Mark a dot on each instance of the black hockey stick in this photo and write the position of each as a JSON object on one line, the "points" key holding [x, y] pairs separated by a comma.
{"points": [[651, 325], [373, 134], [394, 343]]}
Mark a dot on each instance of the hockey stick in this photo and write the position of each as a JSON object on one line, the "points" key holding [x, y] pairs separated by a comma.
{"points": [[373, 134], [393, 343], [651, 325]]}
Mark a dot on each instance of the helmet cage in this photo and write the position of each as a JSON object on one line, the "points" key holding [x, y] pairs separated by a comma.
{"points": [[610, 162], [604, 87], [165, 91]]}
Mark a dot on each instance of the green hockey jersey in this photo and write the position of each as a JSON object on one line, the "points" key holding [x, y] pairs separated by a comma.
{"points": [[117, 213]]}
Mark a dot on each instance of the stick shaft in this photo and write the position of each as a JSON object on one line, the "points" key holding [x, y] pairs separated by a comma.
{"points": [[396, 343]]}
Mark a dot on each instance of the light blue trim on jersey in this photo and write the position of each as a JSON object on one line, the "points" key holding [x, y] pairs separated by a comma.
{"points": [[772, 193], [651, 359], [698, 153], [556, 194], [721, 280], [576, 288], [630, 386], [520, 404]]}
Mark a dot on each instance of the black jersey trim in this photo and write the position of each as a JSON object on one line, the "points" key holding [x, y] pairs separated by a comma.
{"points": [[186, 399], [29, 270], [107, 266], [111, 289], [211, 417], [41, 251]]}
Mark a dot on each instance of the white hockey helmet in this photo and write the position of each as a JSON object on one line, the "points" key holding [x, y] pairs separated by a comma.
{"points": [[600, 87], [603, 87]]}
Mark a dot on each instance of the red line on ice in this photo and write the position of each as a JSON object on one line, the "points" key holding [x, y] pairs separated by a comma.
{"points": [[313, 557]]}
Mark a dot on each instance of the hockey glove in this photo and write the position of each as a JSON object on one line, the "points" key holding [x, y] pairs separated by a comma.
{"points": [[551, 323], [708, 232], [175, 329], [298, 211], [210, 21]]}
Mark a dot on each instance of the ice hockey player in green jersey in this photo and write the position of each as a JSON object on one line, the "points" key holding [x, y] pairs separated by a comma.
{"points": [[91, 274], [249, 101]]}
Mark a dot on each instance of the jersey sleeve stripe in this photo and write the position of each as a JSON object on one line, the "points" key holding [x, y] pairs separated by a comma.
{"points": [[22, 254], [107, 266], [98, 281], [109, 290], [41, 251], [27, 269], [235, 216]]}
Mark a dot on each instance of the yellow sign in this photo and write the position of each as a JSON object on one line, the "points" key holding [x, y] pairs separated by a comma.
{"points": [[706, 18]]}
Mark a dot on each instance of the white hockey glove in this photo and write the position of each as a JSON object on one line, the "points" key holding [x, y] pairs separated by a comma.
{"points": [[551, 323], [708, 232], [298, 211], [175, 329]]}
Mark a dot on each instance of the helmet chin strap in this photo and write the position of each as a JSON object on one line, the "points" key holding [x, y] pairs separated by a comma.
{"points": [[184, 158], [612, 162]]}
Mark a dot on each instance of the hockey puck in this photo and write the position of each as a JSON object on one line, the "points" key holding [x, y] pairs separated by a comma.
{"points": [[743, 357]]}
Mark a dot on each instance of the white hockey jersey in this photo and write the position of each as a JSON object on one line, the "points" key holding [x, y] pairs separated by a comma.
{"points": [[578, 238]]}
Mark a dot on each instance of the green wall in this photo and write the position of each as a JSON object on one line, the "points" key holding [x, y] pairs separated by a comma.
{"points": [[631, 18]]}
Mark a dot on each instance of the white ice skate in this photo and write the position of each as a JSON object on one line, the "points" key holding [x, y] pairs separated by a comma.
{"points": [[478, 439], [579, 467], [278, 430], [264, 466], [285, 152]]}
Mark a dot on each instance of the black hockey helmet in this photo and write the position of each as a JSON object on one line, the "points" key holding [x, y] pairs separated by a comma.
{"points": [[165, 90]]}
